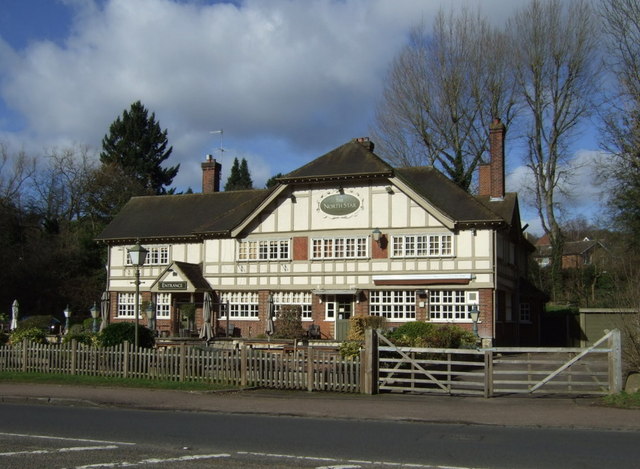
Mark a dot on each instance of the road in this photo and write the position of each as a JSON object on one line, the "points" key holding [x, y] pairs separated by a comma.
{"points": [[39, 436]]}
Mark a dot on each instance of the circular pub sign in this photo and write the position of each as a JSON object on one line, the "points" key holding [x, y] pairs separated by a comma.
{"points": [[340, 204]]}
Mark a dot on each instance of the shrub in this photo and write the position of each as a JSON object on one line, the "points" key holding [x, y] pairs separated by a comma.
{"points": [[289, 323], [423, 334], [32, 334], [358, 324], [81, 336], [38, 322], [349, 350], [412, 334], [119, 332], [4, 338]]}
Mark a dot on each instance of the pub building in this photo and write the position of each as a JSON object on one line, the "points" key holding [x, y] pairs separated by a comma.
{"points": [[344, 235]]}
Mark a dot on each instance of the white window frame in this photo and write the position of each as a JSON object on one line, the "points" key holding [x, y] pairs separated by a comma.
{"points": [[264, 250], [163, 305], [344, 247], [422, 245], [127, 305], [157, 255], [295, 298], [395, 305], [243, 305], [451, 305]]}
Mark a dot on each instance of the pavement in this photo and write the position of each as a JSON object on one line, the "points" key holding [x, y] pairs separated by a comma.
{"points": [[516, 410]]}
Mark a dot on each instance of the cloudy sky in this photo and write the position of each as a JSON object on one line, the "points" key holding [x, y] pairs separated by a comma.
{"points": [[286, 80]]}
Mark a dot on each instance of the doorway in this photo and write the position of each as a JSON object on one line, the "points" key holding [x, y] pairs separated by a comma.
{"points": [[340, 308]]}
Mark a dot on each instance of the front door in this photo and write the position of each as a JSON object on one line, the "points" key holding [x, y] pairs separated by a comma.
{"points": [[342, 307]]}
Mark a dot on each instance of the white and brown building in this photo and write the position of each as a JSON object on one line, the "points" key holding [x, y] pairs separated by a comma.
{"points": [[346, 234]]}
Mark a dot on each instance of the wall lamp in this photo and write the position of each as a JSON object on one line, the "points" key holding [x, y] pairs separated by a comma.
{"points": [[376, 234]]}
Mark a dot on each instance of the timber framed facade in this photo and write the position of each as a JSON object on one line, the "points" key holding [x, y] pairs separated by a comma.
{"points": [[344, 235]]}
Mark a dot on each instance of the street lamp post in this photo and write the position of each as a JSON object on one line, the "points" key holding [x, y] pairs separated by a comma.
{"points": [[137, 254], [94, 315], [67, 315]]}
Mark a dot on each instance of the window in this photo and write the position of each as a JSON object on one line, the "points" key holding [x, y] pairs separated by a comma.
{"points": [[397, 305], [339, 248], [422, 245], [163, 305], [297, 298], [259, 250], [450, 305], [126, 305], [242, 305], [525, 312], [157, 255]]}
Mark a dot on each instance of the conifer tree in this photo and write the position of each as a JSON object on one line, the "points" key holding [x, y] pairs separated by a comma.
{"points": [[239, 177], [138, 145]]}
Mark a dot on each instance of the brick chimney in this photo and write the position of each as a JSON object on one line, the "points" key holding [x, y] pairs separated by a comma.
{"points": [[365, 142], [211, 170], [491, 176]]}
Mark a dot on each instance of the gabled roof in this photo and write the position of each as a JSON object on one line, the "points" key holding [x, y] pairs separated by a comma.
{"points": [[349, 161], [181, 216], [447, 196], [570, 248], [193, 216]]}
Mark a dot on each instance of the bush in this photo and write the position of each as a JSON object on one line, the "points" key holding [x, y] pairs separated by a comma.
{"points": [[81, 336], [359, 324], [119, 332], [412, 334], [424, 334], [38, 322], [4, 338], [32, 334], [349, 350], [289, 323]]}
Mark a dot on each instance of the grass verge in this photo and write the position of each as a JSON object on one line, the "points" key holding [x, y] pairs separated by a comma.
{"points": [[45, 378], [623, 400]]}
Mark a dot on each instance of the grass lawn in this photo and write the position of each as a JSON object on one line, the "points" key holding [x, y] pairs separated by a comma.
{"points": [[46, 378]]}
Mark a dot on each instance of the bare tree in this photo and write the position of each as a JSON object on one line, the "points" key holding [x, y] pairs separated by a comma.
{"points": [[15, 171], [442, 91], [555, 46], [621, 132]]}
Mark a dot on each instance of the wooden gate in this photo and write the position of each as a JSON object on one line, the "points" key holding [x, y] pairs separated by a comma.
{"points": [[596, 370]]}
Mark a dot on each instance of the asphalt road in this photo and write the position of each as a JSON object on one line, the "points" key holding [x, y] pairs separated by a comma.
{"points": [[39, 436]]}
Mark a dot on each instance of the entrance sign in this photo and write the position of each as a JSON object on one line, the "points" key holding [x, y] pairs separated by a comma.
{"points": [[339, 204], [173, 286]]}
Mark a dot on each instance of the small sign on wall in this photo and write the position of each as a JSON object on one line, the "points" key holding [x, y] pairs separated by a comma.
{"points": [[173, 286], [340, 204]]}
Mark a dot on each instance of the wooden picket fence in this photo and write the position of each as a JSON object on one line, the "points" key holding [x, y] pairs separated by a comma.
{"points": [[304, 368]]}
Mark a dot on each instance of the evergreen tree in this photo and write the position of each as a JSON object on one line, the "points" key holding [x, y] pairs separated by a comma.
{"points": [[239, 177], [272, 181], [137, 144]]}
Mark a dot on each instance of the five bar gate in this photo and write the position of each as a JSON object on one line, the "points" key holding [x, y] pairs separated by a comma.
{"points": [[596, 370]]}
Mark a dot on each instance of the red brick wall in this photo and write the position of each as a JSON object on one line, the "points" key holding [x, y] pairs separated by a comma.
{"points": [[300, 248]]}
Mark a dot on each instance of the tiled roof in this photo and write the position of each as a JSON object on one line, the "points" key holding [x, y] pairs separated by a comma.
{"points": [[192, 216], [181, 216]]}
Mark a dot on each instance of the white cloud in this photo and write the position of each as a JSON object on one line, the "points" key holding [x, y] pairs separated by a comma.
{"points": [[286, 79]]}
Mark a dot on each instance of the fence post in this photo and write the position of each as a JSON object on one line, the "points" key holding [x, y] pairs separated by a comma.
{"points": [[488, 373], [243, 365], [25, 342], [74, 356], [125, 370], [310, 358], [369, 365], [615, 362], [183, 361]]}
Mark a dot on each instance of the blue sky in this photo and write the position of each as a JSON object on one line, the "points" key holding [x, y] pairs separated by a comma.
{"points": [[287, 80]]}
